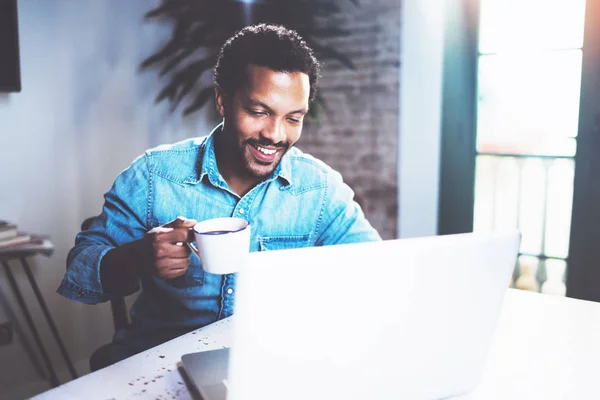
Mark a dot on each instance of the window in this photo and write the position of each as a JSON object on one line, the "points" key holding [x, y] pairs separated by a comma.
{"points": [[516, 72]]}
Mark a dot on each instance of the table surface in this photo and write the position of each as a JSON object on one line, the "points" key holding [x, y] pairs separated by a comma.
{"points": [[545, 347]]}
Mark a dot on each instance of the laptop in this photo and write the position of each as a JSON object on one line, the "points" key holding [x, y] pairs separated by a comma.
{"points": [[397, 319]]}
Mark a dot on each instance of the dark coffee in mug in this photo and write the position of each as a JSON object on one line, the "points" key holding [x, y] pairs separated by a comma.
{"points": [[216, 232]]}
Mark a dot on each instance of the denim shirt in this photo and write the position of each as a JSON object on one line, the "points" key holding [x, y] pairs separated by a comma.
{"points": [[304, 203]]}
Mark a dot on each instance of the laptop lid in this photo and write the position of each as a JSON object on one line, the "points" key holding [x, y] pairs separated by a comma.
{"points": [[206, 374], [405, 318]]}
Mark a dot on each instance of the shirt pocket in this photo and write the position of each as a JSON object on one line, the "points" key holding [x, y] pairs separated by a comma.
{"points": [[269, 243]]}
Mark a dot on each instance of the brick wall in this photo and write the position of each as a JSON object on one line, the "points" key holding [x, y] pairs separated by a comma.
{"points": [[359, 133]]}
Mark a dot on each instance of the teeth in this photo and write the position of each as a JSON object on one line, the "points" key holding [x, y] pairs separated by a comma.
{"points": [[265, 151]]}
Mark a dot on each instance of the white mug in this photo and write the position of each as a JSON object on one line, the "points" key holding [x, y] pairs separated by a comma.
{"points": [[222, 244]]}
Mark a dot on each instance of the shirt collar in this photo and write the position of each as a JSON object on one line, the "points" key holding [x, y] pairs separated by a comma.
{"points": [[284, 169], [209, 162]]}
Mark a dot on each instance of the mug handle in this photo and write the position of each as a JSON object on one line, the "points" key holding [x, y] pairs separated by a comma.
{"points": [[193, 248]]}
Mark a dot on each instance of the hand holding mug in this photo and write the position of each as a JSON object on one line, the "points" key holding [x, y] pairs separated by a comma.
{"points": [[170, 257]]}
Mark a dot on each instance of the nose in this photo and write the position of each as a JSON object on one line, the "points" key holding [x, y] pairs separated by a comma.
{"points": [[274, 131]]}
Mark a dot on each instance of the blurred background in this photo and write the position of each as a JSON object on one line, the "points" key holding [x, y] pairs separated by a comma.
{"points": [[444, 116]]}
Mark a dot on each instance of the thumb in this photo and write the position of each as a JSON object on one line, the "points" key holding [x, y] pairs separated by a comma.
{"points": [[181, 222]]}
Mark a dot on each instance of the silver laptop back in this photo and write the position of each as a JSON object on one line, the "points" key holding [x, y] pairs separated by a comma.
{"points": [[398, 319]]}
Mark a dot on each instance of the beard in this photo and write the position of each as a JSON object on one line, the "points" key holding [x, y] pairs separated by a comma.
{"points": [[259, 169]]}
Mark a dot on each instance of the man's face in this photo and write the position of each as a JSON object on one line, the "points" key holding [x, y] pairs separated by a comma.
{"points": [[263, 120]]}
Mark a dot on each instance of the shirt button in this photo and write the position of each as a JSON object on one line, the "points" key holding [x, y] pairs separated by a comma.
{"points": [[229, 291], [241, 210], [80, 293]]}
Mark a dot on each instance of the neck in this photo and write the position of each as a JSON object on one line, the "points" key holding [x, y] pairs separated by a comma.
{"points": [[231, 168]]}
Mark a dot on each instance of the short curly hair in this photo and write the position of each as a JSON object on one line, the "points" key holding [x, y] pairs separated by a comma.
{"points": [[265, 45]]}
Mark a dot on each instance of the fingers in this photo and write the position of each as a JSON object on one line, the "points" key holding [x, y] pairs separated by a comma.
{"points": [[170, 260], [166, 249], [169, 268], [171, 273], [170, 235], [178, 230], [181, 222]]}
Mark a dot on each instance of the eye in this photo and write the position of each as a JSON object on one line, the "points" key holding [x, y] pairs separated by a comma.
{"points": [[295, 120], [257, 113]]}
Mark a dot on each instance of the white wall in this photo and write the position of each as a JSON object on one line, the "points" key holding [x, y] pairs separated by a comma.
{"points": [[421, 56], [84, 113]]}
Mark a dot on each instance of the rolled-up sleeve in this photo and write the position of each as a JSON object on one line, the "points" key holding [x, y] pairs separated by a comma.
{"points": [[342, 220], [124, 218]]}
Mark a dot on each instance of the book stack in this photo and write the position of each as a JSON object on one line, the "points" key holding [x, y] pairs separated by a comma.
{"points": [[11, 237]]}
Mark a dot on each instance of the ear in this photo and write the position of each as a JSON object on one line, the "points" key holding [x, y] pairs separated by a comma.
{"points": [[220, 102]]}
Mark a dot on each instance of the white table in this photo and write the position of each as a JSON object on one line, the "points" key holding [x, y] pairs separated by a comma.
{"points": [[152, 374], [545, 347]]}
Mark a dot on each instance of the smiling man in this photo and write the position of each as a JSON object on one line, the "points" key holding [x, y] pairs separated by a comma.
{"points": [[261, 121], [247, 167]]}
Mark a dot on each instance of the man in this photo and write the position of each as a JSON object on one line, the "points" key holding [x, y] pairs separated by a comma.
{"points": [[265, 78]]}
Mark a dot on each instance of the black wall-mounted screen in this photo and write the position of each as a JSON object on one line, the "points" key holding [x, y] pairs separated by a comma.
{"points": [[10, 69]]}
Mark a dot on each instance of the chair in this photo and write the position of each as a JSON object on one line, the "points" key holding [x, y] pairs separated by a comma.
{"points": [[118, 306]]}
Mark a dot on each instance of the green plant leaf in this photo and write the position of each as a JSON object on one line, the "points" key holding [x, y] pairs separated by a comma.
{"points": [[186, 88], [195, 69], [202, 97], [168, 8], [184, 81], [168, 92], [175, 61], [170, 48]]}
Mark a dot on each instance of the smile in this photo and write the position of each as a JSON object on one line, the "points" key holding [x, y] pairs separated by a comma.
{"points": [[263, 154], [265, 150]]}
